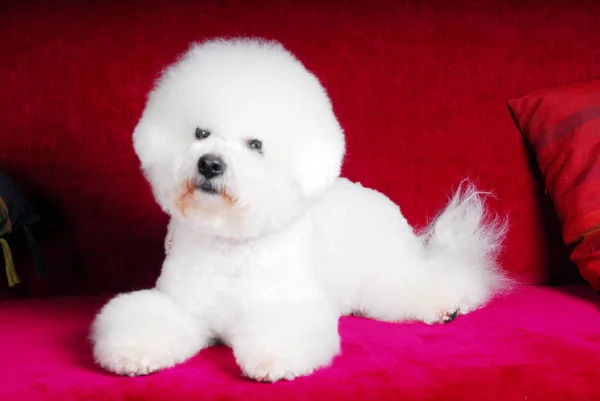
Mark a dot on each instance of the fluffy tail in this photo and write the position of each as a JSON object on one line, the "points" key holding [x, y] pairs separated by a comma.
{"points": [[462, 246]]}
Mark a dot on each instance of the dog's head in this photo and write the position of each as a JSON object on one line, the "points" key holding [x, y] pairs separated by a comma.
{"points": [[238, 138]]}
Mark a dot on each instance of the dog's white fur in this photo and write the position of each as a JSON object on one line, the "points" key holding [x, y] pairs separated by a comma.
{"points": [[269, 263]]}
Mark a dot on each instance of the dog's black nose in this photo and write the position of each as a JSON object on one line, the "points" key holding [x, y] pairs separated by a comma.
{"points": [[211, 166]]}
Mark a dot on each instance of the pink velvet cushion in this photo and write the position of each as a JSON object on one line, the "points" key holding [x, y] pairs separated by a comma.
{"points": [[537, 344]]}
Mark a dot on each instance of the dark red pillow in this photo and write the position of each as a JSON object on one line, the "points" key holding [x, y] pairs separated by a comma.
{"points": [[562, 124]]}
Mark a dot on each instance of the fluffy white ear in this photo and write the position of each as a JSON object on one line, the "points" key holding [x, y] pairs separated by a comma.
{"points": [[152, 148], [319, 161], [148, 143]]}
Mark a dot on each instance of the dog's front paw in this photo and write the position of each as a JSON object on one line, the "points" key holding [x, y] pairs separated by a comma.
{"points": [[133, 361], [274, 359], [272, 369], [145, 331]]}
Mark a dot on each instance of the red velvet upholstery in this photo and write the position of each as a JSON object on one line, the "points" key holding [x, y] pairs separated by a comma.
{"points": [[420, 88], [540, 344], [562, 123]]}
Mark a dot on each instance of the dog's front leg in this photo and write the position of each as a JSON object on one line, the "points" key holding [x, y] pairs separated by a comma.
{"points": [[144, 331], [285, 337]]}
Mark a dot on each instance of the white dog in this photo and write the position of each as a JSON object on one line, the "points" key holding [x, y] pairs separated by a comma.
{"points": [[267, 247]]}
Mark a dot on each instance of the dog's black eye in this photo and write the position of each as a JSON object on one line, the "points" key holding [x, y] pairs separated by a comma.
{"points": [[255, 145], [202, 133]]}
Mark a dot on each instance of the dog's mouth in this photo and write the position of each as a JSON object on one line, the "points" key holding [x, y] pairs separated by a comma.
{"points": [[208, 188], [187, 202], [212, 188]]}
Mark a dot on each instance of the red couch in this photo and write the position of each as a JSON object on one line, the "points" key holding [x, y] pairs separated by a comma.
{"points": [[420, 88]]}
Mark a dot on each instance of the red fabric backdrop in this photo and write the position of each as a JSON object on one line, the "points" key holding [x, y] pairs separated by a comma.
{"points": [[420, 88]]}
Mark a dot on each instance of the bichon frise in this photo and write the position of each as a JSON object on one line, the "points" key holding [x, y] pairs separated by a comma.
{"points": [[267, 246]]}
